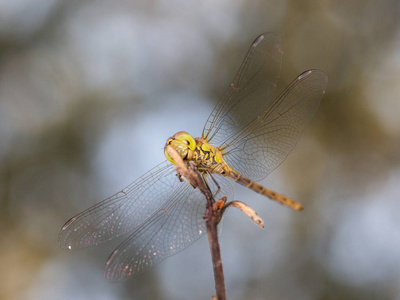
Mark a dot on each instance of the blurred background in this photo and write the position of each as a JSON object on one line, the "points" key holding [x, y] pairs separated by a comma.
{"points": [[91, 90]]}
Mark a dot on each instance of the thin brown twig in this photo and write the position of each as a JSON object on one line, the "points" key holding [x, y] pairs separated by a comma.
{"points": [[192, 175]]}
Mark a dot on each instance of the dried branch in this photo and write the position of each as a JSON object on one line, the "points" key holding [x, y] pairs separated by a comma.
{"points": [[213, 216], [247, 210]]}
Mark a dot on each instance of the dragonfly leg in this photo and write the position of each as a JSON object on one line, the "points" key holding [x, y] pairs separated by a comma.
{"points": [[181, 179], [215, 182], [179, 175], [206, 183]]}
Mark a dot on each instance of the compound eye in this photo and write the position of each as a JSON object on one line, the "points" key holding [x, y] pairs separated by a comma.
{"points": [[187, 139]]}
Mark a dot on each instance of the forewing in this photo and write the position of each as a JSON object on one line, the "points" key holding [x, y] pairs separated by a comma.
{"points": [[258, 148], [123, 212], [167, 232], [250, 91]]}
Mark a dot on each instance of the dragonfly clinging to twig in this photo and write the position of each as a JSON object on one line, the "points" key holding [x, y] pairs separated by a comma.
{"points": [[248, 134]]}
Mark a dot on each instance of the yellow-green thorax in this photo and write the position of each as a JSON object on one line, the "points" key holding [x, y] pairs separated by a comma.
{"points": [[206, 156]]}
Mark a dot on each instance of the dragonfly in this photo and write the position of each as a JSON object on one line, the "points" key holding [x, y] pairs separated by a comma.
{"points": [[247, 135]]}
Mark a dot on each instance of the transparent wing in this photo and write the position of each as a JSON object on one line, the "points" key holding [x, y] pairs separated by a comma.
{"points": [[122, 212], [250, 91], [259, 147], [167, 232]]}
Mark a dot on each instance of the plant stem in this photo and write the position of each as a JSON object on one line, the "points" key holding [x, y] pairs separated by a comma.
{"points": [[212, 234], [212, 217]]}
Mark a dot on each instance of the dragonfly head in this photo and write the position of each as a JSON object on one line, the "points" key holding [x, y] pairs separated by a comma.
{"points": [[182, 142]]}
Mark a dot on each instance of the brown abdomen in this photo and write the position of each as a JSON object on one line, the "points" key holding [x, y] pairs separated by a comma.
{"points": [[258, 188]]}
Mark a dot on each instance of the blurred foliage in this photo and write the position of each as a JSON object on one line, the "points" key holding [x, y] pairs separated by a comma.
{"points": [[72, 72]]}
